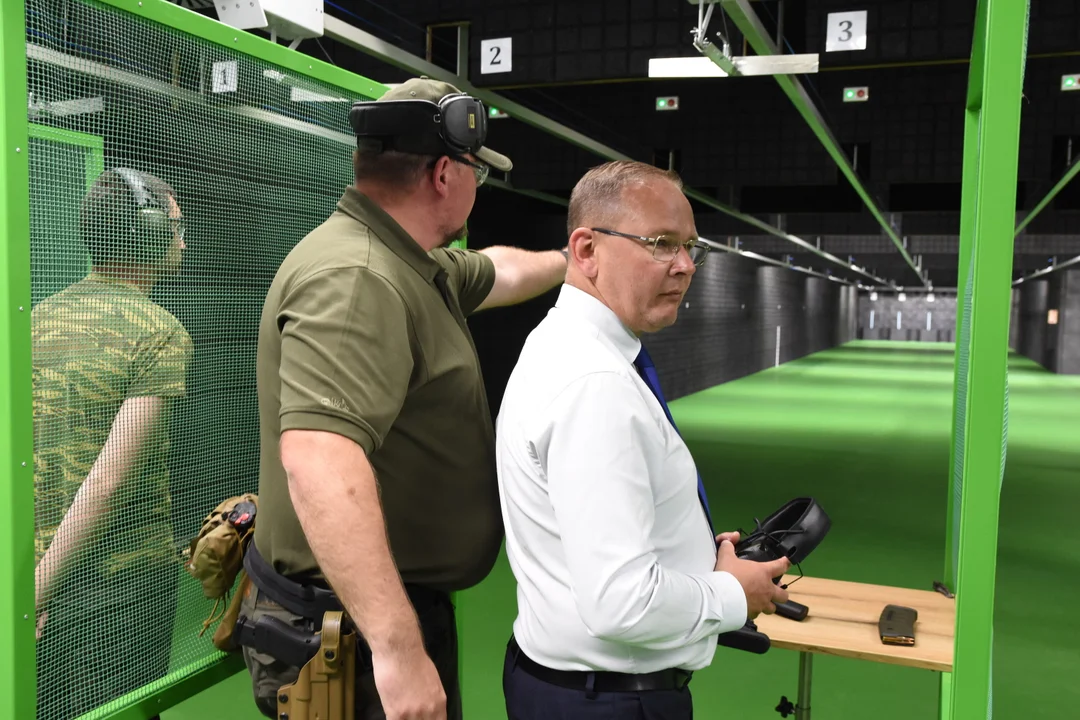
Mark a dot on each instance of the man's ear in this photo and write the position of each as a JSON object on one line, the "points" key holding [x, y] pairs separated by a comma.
{"points": [[582, 248], [440, 175]]}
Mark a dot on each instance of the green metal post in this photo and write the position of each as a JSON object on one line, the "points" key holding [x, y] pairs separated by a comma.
{"points": [[972, 121], [981, 393], [17, 670]]}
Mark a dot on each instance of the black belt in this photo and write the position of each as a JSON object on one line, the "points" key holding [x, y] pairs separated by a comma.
{"points": [[601, 681], [312, 601], [306, 600]]}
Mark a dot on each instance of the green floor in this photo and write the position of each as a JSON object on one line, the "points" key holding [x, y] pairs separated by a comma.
{"points": [[864, 429]]}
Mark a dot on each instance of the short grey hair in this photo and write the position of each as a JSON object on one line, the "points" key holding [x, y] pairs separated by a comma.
{"points": [[598, 193]]}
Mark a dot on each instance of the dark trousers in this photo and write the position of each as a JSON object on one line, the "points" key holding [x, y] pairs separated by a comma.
{"points": [[528, 698], [437, 624]]}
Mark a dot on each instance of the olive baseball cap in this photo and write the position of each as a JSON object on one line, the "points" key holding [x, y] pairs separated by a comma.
{"points": [[424, 88]]}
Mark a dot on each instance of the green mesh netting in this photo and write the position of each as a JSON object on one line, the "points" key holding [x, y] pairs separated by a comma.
{"points": [[144, 382]]}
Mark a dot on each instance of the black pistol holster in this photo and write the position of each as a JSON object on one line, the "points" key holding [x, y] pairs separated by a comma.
{"points": [[325, 687]]}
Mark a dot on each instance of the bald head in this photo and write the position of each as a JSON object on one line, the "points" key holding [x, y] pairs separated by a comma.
{"points": [[598, 198]]}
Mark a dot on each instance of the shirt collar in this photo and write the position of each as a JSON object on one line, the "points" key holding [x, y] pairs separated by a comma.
{"points": [[363, 209], [102, 279], [590, 309]]}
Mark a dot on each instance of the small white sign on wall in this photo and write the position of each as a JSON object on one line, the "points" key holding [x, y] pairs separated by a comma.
{"points": [[224, 76], [846, 31], [495, 56]]}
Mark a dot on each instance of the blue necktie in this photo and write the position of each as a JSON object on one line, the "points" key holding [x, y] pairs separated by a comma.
{"points": [[645, 367]]}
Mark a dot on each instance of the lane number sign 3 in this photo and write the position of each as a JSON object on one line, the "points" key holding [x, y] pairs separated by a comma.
{"points": [[846, 31]]}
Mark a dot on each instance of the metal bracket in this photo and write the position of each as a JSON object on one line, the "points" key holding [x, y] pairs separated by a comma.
{"points": [[745, 66]]}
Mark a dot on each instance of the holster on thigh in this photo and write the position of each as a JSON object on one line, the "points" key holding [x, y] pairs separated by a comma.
{"points": [[326, 686]]}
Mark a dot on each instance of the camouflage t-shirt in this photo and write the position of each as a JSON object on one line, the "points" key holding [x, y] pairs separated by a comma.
{"points": [[96, 344]]}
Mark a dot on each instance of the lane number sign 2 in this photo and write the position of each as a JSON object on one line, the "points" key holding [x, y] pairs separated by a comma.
{"points": [[495, 56], [846, 31]]}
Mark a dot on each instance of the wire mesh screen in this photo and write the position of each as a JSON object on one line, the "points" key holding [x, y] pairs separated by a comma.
{"points": [[169, 177]]}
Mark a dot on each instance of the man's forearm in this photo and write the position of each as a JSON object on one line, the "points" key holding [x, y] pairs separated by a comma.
{"points": [[521, 275], [132, 425], [334, 492]]}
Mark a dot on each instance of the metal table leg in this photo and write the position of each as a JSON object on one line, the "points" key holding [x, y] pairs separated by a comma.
{"points": [[806, 670]]}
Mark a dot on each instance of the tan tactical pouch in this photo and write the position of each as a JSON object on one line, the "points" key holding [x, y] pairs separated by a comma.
{"points": [[326, 687], [216, 556]]}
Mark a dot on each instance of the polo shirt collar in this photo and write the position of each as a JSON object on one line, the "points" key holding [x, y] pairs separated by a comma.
{"points": [[365, 210], [590, 309]]}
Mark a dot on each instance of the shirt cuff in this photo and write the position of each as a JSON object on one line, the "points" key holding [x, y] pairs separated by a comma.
{"points": [[307, 420], [731, 599]]}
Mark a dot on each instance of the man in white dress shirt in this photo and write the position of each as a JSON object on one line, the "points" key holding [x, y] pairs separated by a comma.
{"points": [[622, 589]]}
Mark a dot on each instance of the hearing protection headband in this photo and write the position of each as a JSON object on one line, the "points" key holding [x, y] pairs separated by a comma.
{"points": [[456, 125]]}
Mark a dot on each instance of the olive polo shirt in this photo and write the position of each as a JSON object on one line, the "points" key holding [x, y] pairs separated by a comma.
{"points": [[363, 334]]}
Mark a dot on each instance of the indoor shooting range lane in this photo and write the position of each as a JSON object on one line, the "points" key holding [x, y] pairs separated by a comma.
{"points": [[864, 428]]}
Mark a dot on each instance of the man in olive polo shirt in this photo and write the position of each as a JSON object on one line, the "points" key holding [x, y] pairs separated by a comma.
{"points": [[377, 473]]}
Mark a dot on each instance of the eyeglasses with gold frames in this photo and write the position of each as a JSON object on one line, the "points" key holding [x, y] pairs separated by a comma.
{"points": [[664, 248]]}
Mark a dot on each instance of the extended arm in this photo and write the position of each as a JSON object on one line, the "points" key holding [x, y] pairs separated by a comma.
{"points": [[132, 425], [521, 275], [602, 494]]}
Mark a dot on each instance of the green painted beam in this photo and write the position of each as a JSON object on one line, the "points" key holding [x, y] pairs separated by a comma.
{"points": [[18, 692], [1065, 179], [991, 145], [944, 695], [192, 23], [145, 703], [750, 26]]}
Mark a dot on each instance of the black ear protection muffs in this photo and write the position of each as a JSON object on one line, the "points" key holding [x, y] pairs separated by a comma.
{"points": [[793, 532], [150, 221], [128, 227], [456, 125]]}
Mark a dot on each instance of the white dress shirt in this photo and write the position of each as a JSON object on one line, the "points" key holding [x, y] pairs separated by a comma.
{"points": [[605, 533]]}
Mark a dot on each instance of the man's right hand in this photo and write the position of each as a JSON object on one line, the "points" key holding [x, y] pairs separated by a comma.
{"points": [[409, 686], [756, 579]]}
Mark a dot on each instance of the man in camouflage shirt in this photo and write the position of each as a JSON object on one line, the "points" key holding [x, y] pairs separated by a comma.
{"points": [[106, 362]]}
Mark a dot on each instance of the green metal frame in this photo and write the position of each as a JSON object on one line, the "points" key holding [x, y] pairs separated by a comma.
{"points": [[145, 703], [186, 21], [94, 143], [18, 689], [991, 149], [1065, 179], [17, 675]]}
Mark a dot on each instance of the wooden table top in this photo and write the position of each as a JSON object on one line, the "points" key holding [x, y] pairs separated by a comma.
{"points": [[843, 621]]}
